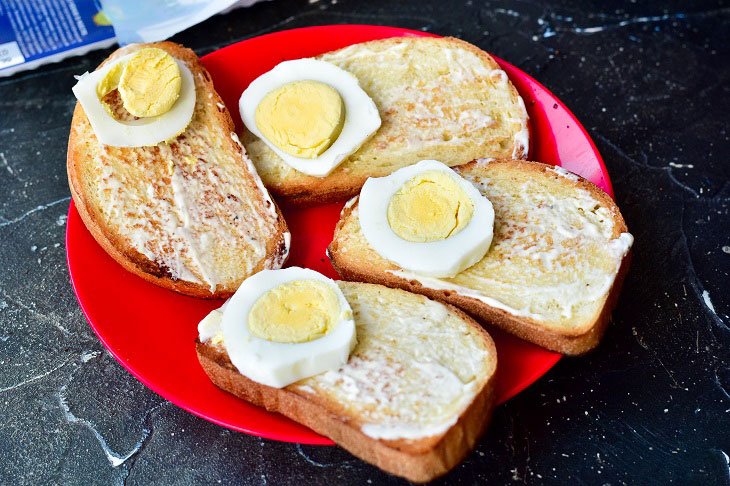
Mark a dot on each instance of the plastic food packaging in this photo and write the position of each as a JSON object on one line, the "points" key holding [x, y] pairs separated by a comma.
{"points": [[38, 32], [150, 21]]}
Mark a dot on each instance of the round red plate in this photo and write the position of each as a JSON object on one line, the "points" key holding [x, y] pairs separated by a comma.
{"points": [[150, 331]]}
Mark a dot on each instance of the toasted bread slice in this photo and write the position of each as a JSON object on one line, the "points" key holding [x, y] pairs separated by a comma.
{"points": [[555, 267], [414, 397], [190, 214], [438, 98]]}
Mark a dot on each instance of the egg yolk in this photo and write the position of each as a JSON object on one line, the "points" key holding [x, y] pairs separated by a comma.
{"points": [[295, 312], [429, 207], [302, 118], [110, 82], [150, 83]]}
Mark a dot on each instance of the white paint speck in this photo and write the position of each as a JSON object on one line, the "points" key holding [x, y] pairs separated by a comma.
{"points": [[34, 210], [89, 355], [61, 220], [4, 161], [708, 302], [33, 248], [681, 166], [115, 459], [33, 379], [726, 249]]}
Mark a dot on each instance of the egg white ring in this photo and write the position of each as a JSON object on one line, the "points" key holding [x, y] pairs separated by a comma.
{"points": [[279, 364], [444, 258], [362, 119], [138, 133]]}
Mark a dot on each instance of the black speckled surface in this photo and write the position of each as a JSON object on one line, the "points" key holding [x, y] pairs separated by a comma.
{"points": [[650, 406]]}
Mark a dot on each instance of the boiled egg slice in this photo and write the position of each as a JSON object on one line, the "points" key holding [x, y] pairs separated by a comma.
{"points": [[311, 113], [158, 93], [427, 219], [282, 326]]}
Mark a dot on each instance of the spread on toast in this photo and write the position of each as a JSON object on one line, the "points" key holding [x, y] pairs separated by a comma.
{"points": [[413, 397], [189, 214], [559, 248], [439, 98]]}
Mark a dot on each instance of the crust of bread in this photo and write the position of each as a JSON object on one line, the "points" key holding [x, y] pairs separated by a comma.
{"points": [[419, 460], [573, 342], [305, 191], [125, 255]]}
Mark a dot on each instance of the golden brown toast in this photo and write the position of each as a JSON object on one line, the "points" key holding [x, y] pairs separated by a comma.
{"points": [[414, 397], [190, 214], [438, 98], [555, 267]]}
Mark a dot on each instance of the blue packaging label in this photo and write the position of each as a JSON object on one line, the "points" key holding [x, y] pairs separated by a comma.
{"points": [[34, 29]]}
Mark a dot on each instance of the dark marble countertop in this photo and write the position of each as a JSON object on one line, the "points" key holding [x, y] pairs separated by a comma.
{"points": [[651, 84]]}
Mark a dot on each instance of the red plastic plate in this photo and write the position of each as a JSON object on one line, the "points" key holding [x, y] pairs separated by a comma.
{"points": [[150, 331]]}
